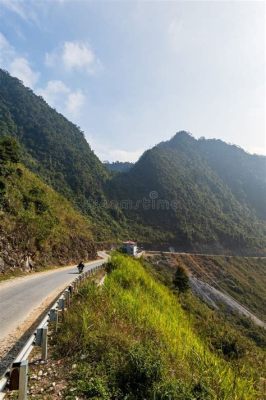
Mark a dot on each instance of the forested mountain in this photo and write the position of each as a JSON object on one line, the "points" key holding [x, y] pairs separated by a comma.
{"points": [[56, 150], [55, 147], [183, 189], [118, 166], [245, 174]]}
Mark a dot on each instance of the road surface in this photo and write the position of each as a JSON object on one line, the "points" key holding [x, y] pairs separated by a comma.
{"points": [[23, 299]]}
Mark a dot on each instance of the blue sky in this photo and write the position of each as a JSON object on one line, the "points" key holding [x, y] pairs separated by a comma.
{"points": [[131, 74]]}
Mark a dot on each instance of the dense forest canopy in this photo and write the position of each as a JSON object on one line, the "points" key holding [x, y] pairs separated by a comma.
{"points": [[118, 166], [56, 150], [197, 199]]}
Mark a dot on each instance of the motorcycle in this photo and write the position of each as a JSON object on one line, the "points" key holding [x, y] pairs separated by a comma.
{"points": [[80, 268]]}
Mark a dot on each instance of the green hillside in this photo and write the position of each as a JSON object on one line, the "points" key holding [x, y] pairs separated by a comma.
{"points": [[242, 278], [35, 220], [245, 174], [132, 339], [55, 147], [174, 189], [56, 150]]}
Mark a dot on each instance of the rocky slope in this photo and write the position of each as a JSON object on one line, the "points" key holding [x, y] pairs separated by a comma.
{"points": [[38, 227]]}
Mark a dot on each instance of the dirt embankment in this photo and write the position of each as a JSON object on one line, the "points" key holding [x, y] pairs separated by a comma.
{"points": [[17, 257]]}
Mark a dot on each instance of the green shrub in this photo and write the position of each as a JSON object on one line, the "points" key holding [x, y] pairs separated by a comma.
{"points": [[143, 368], [9, 150], [181, 279]]}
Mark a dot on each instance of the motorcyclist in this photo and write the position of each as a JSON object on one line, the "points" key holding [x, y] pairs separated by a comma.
{"points": [[80, 267]]}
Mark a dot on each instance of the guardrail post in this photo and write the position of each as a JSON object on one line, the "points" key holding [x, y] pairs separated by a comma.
{"points": [[61, 304], [71, 289], [74, 287], [23, 380], [42, 341], [67, 297], [19, 378], [45, 343], [54, 317]]}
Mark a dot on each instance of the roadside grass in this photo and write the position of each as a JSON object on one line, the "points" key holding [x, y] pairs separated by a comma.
{"points": [[131, 339]]}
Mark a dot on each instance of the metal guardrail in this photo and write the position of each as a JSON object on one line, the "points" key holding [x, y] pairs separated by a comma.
{"points": [[16, 375]]}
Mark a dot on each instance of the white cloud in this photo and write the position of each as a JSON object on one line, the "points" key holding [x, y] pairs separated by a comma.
{"points": [[61, 97], [6, 51], [53, 92], [23, 9], [20, 68], [56, 92], [17, 66], [75, 102], [74, 56], [106, 153], [4, 44], [124, 155], [15, 7], [77, 55]]}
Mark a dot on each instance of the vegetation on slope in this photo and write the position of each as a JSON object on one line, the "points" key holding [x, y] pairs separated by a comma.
{"points": [[131, 339], [245, 174], [188, 201], [241, 277], [35, 220], [56, 150], [55, 147]]}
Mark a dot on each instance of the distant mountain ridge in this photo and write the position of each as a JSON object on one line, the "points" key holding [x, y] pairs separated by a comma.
{"points": [[244, 173], [118, 166], [196, 195], [209, 211]]}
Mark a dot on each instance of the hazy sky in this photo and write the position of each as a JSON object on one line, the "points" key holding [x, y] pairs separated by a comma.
{"points": [[133, 73]]}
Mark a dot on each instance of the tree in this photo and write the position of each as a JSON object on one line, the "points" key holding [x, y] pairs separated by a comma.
{"points": [[9, 150], [181, 279]]}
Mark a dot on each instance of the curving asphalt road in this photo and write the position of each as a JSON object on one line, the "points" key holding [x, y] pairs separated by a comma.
{"points": [[20, 297]]}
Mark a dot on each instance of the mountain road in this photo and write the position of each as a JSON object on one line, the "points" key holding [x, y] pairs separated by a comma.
{"points": [[24, 299]]}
